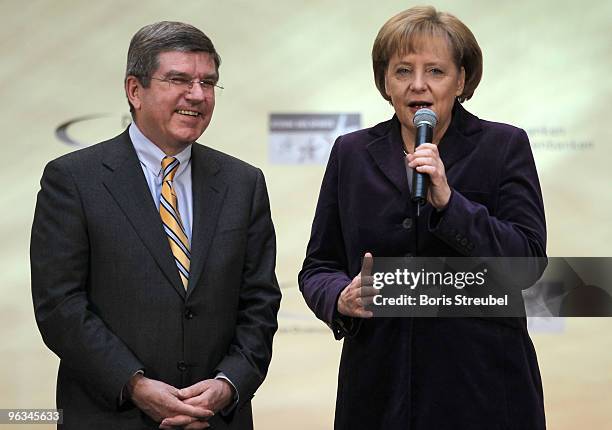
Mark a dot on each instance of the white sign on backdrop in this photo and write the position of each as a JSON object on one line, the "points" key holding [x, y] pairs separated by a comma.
{"points": [[307, 138]]}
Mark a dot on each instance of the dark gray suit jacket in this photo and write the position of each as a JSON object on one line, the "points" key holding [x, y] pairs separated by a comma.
{"points": [[107, 296]]}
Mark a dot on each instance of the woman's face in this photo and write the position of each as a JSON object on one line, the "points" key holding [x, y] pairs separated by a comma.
{"points": [[426, 78]]}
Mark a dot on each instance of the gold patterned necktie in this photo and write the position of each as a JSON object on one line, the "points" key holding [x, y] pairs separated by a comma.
{"points": [[171, 219]]}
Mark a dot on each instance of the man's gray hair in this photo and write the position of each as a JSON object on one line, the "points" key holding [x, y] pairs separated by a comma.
{"points": [[164, 36]]}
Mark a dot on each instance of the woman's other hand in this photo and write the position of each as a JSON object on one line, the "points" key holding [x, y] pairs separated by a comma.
{"points": [[359, 293]]}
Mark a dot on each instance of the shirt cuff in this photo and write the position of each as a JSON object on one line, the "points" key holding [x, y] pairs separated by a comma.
{"points": [[228, 409], [123, 395]]}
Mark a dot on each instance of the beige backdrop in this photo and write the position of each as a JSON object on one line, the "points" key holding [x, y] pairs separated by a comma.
{"points": [[546, 69]]}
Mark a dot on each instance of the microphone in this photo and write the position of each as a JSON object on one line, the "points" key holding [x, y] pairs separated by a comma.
{"points": [[424, 120]]}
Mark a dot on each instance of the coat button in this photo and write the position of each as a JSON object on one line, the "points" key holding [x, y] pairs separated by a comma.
{"points": [[464, 242], [181, 365], [189, 314], [458, 237], [407, 223]]}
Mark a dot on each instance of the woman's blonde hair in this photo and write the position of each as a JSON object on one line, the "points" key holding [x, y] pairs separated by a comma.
{"points": [[404, 32]]}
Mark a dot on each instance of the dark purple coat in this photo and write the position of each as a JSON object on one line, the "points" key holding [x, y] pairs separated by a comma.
{"points": [[428, 373]]}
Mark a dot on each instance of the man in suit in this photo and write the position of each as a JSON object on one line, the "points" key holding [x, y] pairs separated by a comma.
{"points": [[153, 257]]}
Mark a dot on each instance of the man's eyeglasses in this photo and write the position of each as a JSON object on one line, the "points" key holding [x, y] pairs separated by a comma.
{"points": [[186, 85]]}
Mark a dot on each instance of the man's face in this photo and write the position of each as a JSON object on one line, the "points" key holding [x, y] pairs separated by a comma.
{"points": [[171, 115]]}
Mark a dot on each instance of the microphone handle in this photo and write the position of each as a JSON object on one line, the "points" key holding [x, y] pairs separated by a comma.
{"points": [[420, 181]]}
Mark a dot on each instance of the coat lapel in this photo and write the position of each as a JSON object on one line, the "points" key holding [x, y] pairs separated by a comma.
{"points": [[387, 147], [208, 191], [387, 152], [126, 183], [455, 144]]}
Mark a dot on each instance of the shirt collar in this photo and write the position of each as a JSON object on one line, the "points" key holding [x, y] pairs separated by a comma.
{"points": [[151, 156]]}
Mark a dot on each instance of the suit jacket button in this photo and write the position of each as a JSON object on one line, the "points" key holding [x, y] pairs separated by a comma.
{"points": [[464, 241], [407, 223], [181, 365], [189, 314]]}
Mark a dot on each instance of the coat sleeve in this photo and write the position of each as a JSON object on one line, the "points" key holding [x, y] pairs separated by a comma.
{"points": [[517, 228], [247, 360], [324, 271], [59, 259]]}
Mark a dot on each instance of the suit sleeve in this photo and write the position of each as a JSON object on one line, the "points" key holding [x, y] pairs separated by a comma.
{"points": [[518, 226], [59, 258], [324, 272], [246, 362]]}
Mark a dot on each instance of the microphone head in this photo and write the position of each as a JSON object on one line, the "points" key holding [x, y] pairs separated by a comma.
{"points": [[425, 116]]}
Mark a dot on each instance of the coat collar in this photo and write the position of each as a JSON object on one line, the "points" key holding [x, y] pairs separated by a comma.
{"points": [[462, 122], [386, 148], [457, 142], [387, 151]]}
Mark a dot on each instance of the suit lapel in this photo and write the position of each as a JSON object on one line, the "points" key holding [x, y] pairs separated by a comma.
{"points": [[126, 183], [208, 191]]}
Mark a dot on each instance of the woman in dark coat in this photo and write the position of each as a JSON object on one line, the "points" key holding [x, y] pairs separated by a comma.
{"points": [[484, 199]]}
